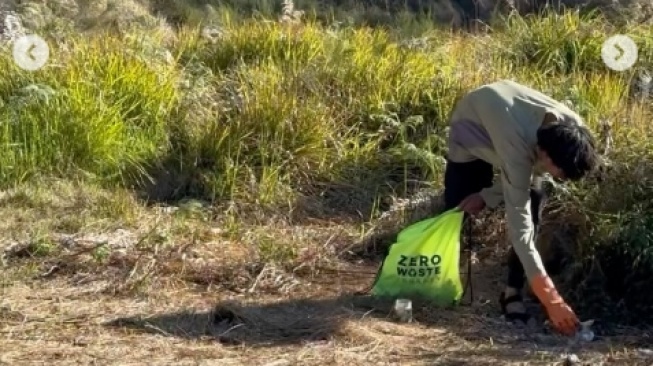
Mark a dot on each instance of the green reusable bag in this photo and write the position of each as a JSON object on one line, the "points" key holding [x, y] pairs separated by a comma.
{"points": [[424, 262]]}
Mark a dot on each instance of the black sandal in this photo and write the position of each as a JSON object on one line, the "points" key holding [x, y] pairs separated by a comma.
{"points": [[511, 317]]}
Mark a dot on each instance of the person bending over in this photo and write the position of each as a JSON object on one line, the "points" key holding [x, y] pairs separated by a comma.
{"points": [[524, 134]]}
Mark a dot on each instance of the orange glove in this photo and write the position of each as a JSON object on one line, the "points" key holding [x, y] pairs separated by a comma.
{"points": [[562, 317]]}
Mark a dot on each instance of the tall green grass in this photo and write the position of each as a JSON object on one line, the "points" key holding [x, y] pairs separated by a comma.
{"points": [[286, 111], [283, 105], [99, 110], [570, 42]]}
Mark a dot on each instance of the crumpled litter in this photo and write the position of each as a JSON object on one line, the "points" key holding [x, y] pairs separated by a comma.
{"points": [[585, 334]]}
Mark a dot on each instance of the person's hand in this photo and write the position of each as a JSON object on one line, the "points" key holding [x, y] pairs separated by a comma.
{"points": [[561, 316], [472, 204]]}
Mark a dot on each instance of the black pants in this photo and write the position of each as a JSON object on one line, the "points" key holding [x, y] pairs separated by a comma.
{"points": [[463, 179]]}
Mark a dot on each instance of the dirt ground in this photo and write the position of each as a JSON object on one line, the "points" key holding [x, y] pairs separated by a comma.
{"points": [[170, 297], [71, 319]]}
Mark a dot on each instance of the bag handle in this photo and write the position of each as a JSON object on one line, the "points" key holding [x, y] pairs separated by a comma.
{"points": [[468, 283]]}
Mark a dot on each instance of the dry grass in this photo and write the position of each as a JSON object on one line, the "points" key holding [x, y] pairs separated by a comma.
{"points": [[169, 287], [61, 322]]}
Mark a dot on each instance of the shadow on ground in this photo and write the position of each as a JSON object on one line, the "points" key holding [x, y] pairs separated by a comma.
{"points": [[283, 323], [260, 324], [445, 336], [297, 321]]}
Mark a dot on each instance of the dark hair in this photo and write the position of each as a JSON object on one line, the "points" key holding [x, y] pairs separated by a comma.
{"points": [[571, 148]]}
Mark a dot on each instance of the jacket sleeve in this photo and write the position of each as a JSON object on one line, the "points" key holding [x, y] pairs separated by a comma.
{"points": [[516, 173], [516, 192], [493, 196], [520, 227]]}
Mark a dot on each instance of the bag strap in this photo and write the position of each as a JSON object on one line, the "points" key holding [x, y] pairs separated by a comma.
{"points": [[367, 290], [468, 283]]}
